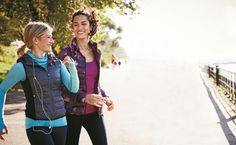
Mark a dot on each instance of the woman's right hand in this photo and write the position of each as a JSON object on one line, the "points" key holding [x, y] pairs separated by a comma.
{"points": [[4, 131], [94, 99]]}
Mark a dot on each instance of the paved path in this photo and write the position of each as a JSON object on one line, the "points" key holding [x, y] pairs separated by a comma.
{"points": [[156, 104]]}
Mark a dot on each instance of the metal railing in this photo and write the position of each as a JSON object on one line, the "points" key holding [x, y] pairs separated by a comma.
{"points": [[224, 78]]}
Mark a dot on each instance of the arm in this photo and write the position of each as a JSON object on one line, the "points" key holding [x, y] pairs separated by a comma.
{"points": [[99, 99], [16, 74], [81, 97], [70, 77], [62, 54], [108, 101]]}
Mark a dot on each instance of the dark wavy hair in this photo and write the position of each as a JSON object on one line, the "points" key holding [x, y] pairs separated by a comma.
{"points": [[92, 18]]}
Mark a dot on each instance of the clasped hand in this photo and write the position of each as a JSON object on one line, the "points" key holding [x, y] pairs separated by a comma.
{"points": [[98, 100], [68, 60]]}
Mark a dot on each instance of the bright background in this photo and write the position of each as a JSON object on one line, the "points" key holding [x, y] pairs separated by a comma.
{"points": [[189, 30]]}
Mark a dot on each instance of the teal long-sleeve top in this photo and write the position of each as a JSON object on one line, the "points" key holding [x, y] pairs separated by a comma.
{"points": [[17, 73]]}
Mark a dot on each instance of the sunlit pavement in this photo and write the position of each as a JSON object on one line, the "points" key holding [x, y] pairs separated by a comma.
{"points": [[156, 103]]}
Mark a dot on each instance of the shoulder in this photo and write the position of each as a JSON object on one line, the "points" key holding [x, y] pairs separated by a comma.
{"points": [[23, 58], [52, 57], [94, 46], [64, 52], [18, 68]]}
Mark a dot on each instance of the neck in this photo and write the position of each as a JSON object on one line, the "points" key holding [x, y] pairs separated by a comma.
{"points": [[38, 54], [83, 44]]}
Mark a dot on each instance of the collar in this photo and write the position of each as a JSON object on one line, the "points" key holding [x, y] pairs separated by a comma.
{"points": [[74, 45]]}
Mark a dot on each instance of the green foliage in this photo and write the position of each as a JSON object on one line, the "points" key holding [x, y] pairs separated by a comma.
{"points": [[8, 54], [7, 59], [15, 14], [106, 58], [4, 68]]}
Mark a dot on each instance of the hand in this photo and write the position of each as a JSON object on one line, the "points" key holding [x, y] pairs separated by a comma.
{"points": [[5, 131], [68, 60], [94, 99], [110, 104]]}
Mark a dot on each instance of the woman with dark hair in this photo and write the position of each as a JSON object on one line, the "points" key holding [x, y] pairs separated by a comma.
{"points": [[41, 75], [84, 109]]}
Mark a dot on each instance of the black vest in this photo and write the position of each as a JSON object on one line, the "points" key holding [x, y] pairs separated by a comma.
{"points": [[42, 89]]}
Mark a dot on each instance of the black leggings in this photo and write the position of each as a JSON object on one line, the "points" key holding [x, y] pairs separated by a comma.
{"points": [[56, 137], [94, 125]]}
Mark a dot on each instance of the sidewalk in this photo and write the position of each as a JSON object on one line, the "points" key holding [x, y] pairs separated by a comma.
{"points": [[223, 105], [156, 104]]}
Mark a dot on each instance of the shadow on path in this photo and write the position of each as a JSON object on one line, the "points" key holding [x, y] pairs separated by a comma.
{"points": [[13, 111], [223, 121], [12, 100], [15, 97]]}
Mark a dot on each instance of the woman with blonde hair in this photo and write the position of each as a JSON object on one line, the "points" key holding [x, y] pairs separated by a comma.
{"points": [[41, 75]]}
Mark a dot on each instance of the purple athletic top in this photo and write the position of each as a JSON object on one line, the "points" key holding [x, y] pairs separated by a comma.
{"points": [[91, 74]]}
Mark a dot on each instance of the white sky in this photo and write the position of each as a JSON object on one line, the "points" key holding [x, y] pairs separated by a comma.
{"points": [[181, 29]]}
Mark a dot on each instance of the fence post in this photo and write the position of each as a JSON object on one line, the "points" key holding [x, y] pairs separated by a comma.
{"points": [[209, 71], [217, 75]]}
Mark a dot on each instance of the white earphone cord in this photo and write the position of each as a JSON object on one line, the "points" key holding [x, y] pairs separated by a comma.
{"points": [[40, 97]]}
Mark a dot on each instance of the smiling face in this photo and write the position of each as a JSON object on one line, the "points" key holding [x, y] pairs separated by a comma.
{"points": [[44, 42], [38, 38], [81, 27]]}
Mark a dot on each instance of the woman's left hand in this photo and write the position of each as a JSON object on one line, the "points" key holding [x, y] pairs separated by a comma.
{"points": [[109, 103], [68, 60]]}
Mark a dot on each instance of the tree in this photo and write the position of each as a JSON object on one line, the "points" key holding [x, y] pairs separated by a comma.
{"points": [[15, 14]]}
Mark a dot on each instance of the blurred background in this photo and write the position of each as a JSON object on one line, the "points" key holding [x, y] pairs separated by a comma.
{"points": [[194, 30], [152, 50], [14, 15]]}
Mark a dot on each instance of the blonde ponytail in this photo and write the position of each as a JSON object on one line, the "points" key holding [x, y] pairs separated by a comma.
{"points": [[21, 50]]}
